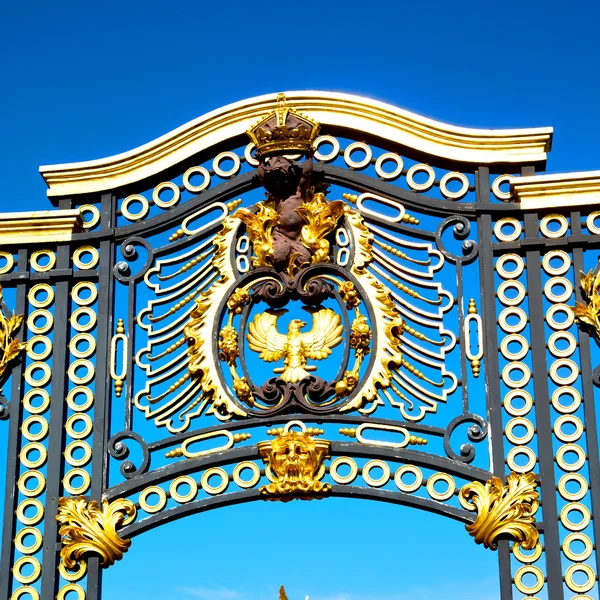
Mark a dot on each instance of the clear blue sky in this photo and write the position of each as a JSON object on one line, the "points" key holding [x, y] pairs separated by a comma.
{"points": [[86, 80]]}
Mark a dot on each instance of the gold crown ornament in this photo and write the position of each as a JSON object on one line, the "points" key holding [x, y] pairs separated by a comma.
{"points": [[283, 130]]}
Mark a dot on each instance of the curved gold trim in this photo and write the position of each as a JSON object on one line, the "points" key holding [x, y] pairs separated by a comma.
{"points": [[339, 111]]}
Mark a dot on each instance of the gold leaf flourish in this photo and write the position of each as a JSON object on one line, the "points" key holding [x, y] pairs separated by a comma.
{"points": [[10, 347], [87, 528], [503, 510], [588, 311]]}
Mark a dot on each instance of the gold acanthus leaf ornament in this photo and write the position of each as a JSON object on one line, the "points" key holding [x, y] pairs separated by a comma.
{"points": [[259, 227], [503, 510], [295, 464], [88, 528], [10, 346], [588, 311]]}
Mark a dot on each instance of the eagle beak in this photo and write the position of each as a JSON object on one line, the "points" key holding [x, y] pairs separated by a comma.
{"points": [[302, 324]]}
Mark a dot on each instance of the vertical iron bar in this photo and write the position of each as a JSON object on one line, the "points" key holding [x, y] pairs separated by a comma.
{"points": [[491, 367], [542, 413], [11, 495], [54, 473], [589, 401], [103, 381]]}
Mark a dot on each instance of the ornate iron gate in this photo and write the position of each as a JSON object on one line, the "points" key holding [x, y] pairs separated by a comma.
{"points": [[414, 285]]}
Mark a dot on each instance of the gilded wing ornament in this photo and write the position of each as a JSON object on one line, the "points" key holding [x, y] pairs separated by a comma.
{"points": [[295, 347], [259, 227]]}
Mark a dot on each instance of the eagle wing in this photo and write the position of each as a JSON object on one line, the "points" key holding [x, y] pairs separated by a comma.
{"points": [[264, 338], [326, 333]]}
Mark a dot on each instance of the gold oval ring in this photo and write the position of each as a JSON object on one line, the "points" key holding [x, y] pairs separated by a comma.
{"points": [[441, 495], [215, 489], [374, 464], [343, 479], [246, 483]]}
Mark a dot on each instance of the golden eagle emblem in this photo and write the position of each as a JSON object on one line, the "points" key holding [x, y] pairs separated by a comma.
{"points": [[295, 347]]}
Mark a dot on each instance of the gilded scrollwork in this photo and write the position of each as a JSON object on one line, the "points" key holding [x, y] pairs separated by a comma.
{"points": [[588, 311], [10, 346], [87, 528], [295, 463], [503, 510]]}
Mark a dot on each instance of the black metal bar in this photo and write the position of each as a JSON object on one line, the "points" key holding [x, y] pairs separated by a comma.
{"points": [[54, 473], [11, 495], [542, 414], [102, 393], [589, 401]]}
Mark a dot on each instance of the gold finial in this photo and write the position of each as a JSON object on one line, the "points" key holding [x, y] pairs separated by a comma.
{"points": [[282, 594]]}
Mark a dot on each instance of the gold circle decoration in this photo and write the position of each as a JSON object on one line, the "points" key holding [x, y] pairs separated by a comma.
{"points": [[73, 575], [94, 213], [521, 451], [78, 313], [20, 563], [70, 453], [81, 286], [560, 297], [335, 148], [591, 222], [389, 175], [408, 487], [39, 339], [27, 476], [513, 311], [251, 147], [70, 587], [166, 185], [376, 464], [183, 480], [517, 229], [568, 391], [215, 489], [510, 368], [511, 285], [143, 211], [563, 380], [86, 338], [229, 172], [25, 589], [519, 422], [580, 480], [570, 449], [568, 437], [504, 196], [33, 447], [36, 367], [441, 495], [527, 558], [81, 379], [562, 335], [194, 189], [35, 315], [561, 255], [420, 168], [560, 325], [577, 556], [87, 426], [34, 260], [343, 479], [87, 403], [511, 258], [358, 164], [83, 487], [26, 428], [454, 176], [32, 295], [514, 338], [79, 257], [529, 570], [10, 262], [565, 516], [563, 225], [580, 587], [36, 518], [246, 483], [518, 394], [37, 541], [152, 508]]}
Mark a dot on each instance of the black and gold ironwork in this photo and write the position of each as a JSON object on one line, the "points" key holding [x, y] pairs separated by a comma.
{"points": [[405, 311]]}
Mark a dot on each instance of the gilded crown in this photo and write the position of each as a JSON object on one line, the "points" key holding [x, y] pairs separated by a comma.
{"points": [[283, 130]]}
